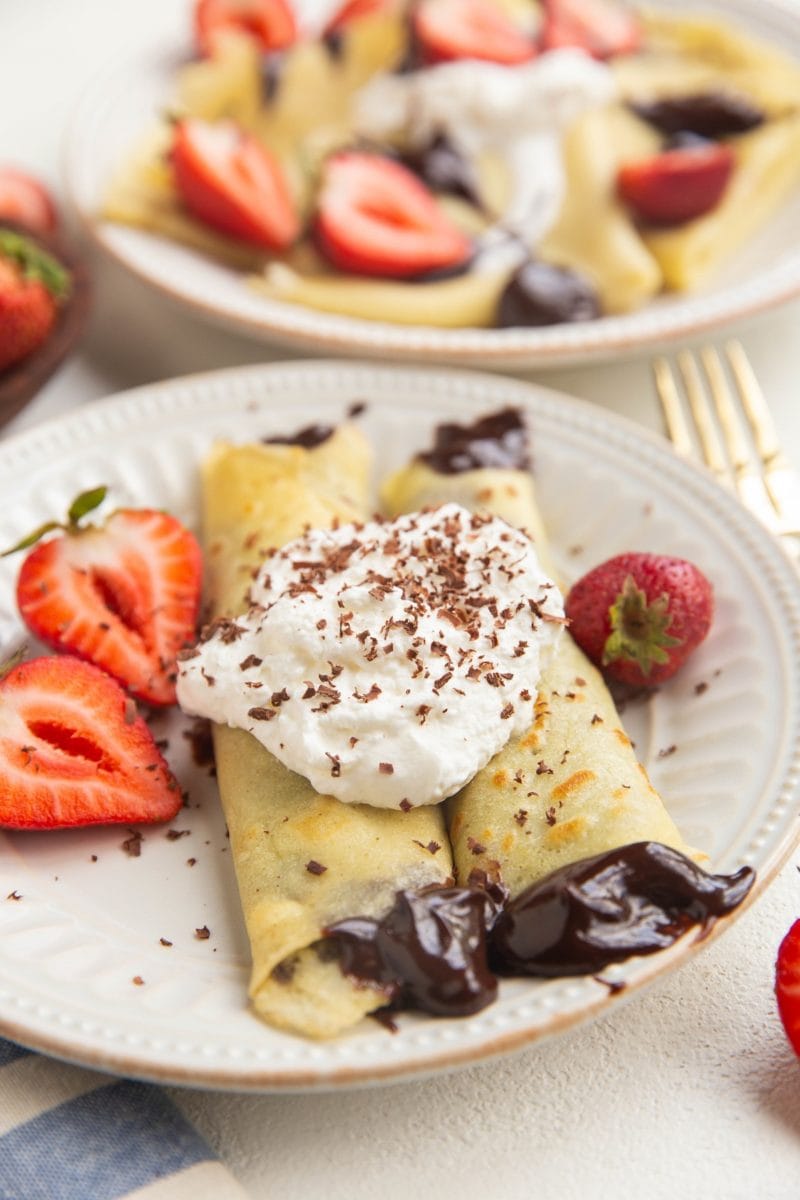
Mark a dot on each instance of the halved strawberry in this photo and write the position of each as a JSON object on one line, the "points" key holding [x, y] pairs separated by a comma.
{"points": [[227, 179], [270, 22], [677, 185], [602, 28], [25, 200], [74, 752], [374, 217], [124, 595], [452, 29], [354, 10], [787, 985]]}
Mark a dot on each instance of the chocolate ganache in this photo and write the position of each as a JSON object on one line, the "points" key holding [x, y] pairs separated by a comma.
{"points": [[709, 114], [630, 901], [497, 440], [308, 438], [430, 950], [539, 293]]}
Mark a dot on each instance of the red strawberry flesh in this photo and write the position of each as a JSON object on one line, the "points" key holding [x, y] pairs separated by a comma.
{"points": [[26, 201], [375, 217], [228, 180], [787, 985], [74, 752], [124, 595], [603, 28], [270, 22], [454, 29], [677, 185]]}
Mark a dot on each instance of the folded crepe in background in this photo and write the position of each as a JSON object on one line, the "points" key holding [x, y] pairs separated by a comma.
{"points": [[303, 860], [570, 787]]}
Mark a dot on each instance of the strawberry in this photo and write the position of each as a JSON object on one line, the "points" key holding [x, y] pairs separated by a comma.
{"points": [[74, 752], [787, 985], [679, 184], [375, 217], [602, 28], [124, 595], [452, 29], [228, 180], [353, 10], [640, 616], [270, 22], [25, 200], [32, 284]]}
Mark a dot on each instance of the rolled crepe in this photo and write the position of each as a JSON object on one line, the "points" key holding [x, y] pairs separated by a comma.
{"points": [[571, 786], [303, 860]]}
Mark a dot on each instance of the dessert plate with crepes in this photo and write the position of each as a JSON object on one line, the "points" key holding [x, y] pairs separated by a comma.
{"points": [[142, 961], [517, 188]]}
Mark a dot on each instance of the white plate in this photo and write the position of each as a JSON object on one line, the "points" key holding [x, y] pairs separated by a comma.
{"points": [[70, 948], [116, 109]]}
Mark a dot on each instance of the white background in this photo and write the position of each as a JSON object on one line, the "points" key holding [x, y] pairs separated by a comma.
{"points": [[690, 1089]]}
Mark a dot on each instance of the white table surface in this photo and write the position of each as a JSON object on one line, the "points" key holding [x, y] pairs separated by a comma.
{"points": [[688, 1090]]}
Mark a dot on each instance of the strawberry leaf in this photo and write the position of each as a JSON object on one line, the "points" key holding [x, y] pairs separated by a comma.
{"points": [[32, 538], [638, 629], [35, 263], [85, 503]]}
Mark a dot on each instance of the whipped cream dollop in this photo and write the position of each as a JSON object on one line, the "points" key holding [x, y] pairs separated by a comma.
{"points": [[519, 111], [387, 662]]}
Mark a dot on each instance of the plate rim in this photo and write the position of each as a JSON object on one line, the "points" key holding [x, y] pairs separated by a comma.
{"points": [[301, 327], [125, 405]]}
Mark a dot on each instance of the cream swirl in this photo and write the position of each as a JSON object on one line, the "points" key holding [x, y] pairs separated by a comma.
{"points": [[386, 662]]}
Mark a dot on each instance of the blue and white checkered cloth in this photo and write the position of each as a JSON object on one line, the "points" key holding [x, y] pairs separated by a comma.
{"points": [[71, 1134]]}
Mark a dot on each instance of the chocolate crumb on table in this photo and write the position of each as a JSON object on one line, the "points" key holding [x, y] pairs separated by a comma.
{"points": [[203, 933], [315, 868], [133, 844]]}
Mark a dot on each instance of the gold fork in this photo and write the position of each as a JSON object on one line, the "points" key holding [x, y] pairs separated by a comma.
{"points": [[734, 431]]}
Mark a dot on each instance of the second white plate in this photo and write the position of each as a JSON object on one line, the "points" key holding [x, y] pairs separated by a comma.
{"points": [[116, 110]]}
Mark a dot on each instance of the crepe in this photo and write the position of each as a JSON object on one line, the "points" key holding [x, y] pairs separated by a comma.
{"points": [[303, 860], [571, 786]]}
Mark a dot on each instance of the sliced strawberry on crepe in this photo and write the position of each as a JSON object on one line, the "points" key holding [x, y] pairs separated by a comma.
{"points": [[270, 22], [74, 752], [453, 29], [787, 985], [603, 28], [26, 201], [354, 10], [124, 595], [677, 185], [375, 217], [228, 180]]}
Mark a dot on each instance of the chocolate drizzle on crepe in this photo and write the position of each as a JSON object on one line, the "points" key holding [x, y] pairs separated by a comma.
{"points": [[633, 900], [440, 949], [308, 437], [499, 440]]}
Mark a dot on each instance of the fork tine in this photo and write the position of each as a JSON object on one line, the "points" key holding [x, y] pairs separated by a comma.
{"points": [[677, 426], [750, 483], [697, 396], [780, 478]]}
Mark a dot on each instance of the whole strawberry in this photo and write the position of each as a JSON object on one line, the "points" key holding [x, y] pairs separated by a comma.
{"points": [[32, 285], [787, 984], [640, 616]]}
